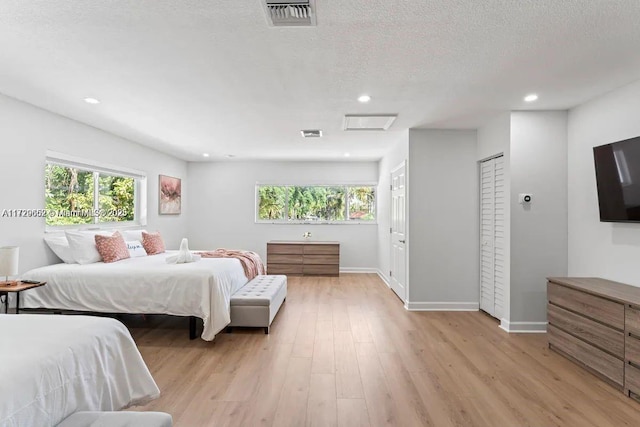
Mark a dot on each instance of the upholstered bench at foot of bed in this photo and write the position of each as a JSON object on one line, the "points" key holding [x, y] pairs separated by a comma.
{"points": [[117, 419], [258, 302]]}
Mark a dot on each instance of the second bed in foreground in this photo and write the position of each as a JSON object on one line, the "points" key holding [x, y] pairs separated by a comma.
{"points": [[53, 366]]}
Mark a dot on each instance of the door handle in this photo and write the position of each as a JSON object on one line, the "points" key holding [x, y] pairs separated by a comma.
{"points": [[401, 241]]}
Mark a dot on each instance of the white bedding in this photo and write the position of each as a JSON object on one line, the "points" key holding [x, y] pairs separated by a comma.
{"points": [[52, 366], [142, 285]]}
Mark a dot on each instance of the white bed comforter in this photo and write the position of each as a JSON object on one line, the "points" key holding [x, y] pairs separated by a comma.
{"points": [[52, 366], [142, 285]]}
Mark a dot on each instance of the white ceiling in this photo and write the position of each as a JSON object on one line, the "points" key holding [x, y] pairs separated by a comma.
{"points": [[196, 76]]}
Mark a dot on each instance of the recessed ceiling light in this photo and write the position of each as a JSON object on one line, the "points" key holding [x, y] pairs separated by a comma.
{"points": [[530, 98], [205, 154], [91, 101], [347, 154], [364, 98]]}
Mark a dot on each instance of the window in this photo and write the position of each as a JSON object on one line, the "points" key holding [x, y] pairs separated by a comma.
{"points": [[78, 193], [316, 203]]}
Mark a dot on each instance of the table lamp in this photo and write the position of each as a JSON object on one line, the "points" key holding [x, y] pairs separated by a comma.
{"points": [[8, 264]]}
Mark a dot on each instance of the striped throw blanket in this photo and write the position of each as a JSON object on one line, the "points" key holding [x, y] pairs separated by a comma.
{"points": [[251, 261]]}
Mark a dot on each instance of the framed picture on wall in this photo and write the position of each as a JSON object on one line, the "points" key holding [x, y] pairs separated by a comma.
{"points": [[170, 197]]}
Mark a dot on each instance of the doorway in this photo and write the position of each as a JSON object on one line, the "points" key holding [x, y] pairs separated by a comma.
{"points": [[398, 273], [492, 236]]}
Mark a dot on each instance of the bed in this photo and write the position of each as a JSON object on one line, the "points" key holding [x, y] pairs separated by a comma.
{"points": [[53, 366], [144, 285]]}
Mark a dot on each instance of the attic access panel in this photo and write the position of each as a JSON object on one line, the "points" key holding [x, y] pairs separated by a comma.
{"points": [[368, 121]]}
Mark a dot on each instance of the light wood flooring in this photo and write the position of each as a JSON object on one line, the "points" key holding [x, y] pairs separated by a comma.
{"points": [[343, 351]]}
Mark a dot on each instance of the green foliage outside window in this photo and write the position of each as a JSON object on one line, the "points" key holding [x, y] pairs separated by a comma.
{"points": [[316, 203], [362, 203], [272, 202], [67, 189], [117, 198], [69, 196]]}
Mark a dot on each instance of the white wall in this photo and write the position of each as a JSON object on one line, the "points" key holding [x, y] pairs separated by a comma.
{"points": [[443, 218], [394, 157], [493, 139], [600, 249], [223, 213], [538, 165], [27, 132]]}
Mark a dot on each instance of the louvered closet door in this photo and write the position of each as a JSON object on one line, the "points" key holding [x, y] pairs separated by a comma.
{"points": [[492, 206]]}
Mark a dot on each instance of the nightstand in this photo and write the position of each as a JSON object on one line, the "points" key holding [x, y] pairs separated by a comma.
{"points": [[17, 288]]}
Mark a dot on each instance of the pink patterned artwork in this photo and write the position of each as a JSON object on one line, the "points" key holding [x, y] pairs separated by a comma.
{"points": [[170, 198]]}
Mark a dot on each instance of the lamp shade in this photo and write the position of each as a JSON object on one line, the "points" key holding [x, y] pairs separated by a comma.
{"points": [[8, 260]]}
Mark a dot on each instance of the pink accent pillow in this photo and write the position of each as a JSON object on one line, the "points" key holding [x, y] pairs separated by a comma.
{"points": [[152, 243], [112, 248]]}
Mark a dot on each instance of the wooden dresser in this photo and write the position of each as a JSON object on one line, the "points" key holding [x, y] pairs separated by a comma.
{"points": [[303, 258], [596, 323]]}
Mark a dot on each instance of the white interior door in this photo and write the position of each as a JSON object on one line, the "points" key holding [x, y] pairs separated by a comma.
{"points": [[398, 273], [492, 207]]}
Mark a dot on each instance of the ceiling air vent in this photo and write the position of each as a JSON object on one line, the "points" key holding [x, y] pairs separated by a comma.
{"points": [[283, 13], [311, 133]]}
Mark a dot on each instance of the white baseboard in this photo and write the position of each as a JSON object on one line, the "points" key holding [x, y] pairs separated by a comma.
{"points": [[442, 306], [383, 278], [358, 270], [523, 327]]}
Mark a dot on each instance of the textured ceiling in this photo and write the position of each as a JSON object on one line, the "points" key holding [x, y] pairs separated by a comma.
{"points": [[196, 76]]}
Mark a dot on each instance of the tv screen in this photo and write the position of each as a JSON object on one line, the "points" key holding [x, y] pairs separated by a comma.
{"points": [[618, 180]]}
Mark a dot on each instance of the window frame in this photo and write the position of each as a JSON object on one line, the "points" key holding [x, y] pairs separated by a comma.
{"points": [[97, 168], [286, 220]]}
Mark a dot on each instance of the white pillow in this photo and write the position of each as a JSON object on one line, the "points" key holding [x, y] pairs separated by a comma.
{"points": [[83, 245], [132, 235], [135, 249], [60, 246]]}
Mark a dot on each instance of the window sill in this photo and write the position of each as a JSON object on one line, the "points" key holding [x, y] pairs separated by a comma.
{"points": [[91, 227], [318, 222]]}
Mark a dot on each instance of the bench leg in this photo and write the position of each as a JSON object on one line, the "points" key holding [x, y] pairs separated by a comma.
{"points": [[192, 327], [266, 330]]}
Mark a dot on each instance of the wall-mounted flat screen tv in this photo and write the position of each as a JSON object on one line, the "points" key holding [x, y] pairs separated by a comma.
{"points": [[618, 180]]}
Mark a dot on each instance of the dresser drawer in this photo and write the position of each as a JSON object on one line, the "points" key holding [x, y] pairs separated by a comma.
{"points": [[321, 249], [284, 258], [281, 248], [321, 270], [604, 310], [632, 350], [632, 379], [284, 268], [322, 259], [632, 321], [601, 336], [599, 361]]}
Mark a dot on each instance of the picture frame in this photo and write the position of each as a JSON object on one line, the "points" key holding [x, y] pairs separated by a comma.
{"points": [[169, 195]]}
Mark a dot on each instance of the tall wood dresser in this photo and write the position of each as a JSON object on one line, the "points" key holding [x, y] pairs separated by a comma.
{"points": [[303, 258], [596, 323]]}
